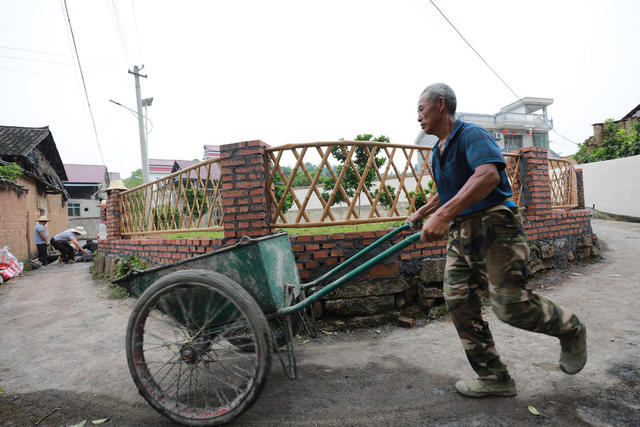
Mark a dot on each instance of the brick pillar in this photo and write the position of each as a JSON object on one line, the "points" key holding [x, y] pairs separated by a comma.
{"points": [[534, 173], [103, 211], [244, 190], [580, 187], [113, 214]]}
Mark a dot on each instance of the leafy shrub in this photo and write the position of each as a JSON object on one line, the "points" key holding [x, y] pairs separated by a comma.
{"points": [[421, 198], [166, 216], [198, 204], [10, 172], [616, 143], [126, 264]]}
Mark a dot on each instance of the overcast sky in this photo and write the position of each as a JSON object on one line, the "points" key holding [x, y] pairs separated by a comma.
{"points": [[302, 71]]}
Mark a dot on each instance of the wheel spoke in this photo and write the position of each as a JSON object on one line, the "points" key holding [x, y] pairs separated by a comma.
{"points": [[185, 354]]}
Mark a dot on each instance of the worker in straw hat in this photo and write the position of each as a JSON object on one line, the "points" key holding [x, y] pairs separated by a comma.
{"points": [[41, 238], [62, 242]]}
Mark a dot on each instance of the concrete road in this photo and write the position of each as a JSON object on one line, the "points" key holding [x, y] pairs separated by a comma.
{"points": [[62, 346]]}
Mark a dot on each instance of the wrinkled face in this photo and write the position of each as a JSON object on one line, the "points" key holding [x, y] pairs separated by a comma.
{"points": [[429, 115]]}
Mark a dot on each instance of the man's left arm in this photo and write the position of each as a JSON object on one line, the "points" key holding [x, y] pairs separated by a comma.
{"points": [[80, 248], [478, 186]]}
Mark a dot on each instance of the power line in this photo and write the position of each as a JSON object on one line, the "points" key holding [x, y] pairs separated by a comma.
{"points": [[118, 24], [42, 52], [34, 60], [33, 72], [561, 135], [135, 23], [75, 48], [489, 66], [35, 51]]}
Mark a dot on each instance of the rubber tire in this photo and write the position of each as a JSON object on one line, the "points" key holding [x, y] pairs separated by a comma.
{"points": [[254, 316]]}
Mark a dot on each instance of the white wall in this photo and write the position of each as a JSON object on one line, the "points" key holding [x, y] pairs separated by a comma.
{"points": [[613, 185]]}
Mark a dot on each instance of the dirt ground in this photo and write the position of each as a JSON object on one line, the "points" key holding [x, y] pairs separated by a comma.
{"points": [[62, 359]]}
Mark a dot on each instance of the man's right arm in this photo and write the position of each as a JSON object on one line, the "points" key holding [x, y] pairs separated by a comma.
{"points": [[44, 237]]}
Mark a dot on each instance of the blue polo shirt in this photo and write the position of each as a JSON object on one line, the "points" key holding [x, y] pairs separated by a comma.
{"points": [[468, 147]]}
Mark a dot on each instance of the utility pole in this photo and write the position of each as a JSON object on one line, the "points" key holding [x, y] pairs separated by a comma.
{"points": [[143, 139]]}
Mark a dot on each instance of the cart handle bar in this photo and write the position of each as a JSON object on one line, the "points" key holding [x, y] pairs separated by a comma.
{"points": [[357, 256], [364, 267]]}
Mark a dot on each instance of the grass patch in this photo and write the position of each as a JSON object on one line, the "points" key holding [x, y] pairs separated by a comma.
{"points": [[116, 292], [195, 235], [332, 229]]}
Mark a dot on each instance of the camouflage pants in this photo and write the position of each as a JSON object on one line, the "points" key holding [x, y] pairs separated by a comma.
{"points": [[488, 251]]}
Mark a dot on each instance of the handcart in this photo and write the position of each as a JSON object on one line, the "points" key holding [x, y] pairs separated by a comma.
{"points": [[201, 335]]}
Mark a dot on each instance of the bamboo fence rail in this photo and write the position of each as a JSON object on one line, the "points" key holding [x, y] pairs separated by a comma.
{"points": [[394, 188], [563, 183], [187, 200]]}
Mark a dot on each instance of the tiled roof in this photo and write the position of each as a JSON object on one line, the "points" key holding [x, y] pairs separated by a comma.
{"points": [[35, 151], [183, 164], [160, 165], [20, 141], [85, 173], [631, 113], [204, 171]]}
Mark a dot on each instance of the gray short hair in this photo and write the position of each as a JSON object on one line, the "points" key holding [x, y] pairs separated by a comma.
{"points": [[437, 90]]}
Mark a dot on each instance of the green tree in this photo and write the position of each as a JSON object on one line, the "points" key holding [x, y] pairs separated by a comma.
{"points": [[384, 199], [423, 196], [134, 180], [279, 188], [616, 143], [10, 172], [199, 204], [350, 180]]}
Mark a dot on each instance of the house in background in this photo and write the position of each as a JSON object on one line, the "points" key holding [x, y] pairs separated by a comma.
{"points": [[86, 185], [211, 151], [523, 123], [38, 191], [627, 123], [159, 168]]}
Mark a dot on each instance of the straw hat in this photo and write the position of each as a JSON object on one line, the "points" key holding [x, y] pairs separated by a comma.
{"points": [[80, 230], [43, 218]]}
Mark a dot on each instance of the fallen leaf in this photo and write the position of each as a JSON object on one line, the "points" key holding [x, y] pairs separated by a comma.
{"points": [[533, 410], [632, 406], [100, 421], [304, 342], [1, 390], [80, 424], [327, 333]]}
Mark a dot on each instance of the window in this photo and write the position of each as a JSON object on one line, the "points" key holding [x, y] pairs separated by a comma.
{"points": [[541, 140], [74, 209], [512, 142]]}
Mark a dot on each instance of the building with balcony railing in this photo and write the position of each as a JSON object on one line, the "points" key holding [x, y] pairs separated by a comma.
{"points": [[523, 123]]}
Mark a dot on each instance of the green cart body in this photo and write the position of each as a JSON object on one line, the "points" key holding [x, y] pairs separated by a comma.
{"points": [[264, 267]]}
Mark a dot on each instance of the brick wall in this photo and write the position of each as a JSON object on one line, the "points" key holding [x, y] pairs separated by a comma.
{"points": [[159, 251]]}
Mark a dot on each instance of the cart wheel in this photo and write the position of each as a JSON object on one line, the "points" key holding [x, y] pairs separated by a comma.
{"points": [[179, 350]]}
